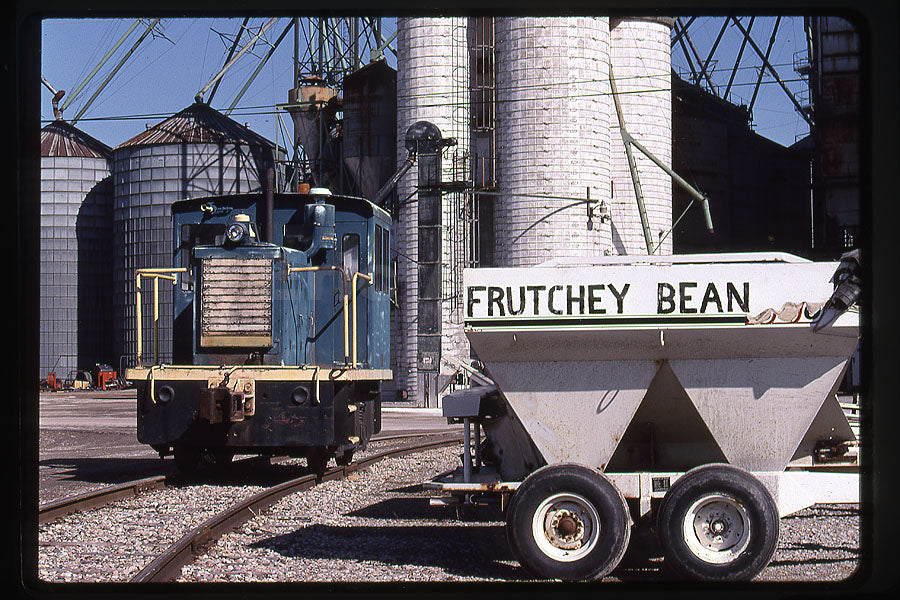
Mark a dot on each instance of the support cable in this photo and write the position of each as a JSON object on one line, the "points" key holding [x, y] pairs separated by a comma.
{"points": [[237, 39], [115, 70]]}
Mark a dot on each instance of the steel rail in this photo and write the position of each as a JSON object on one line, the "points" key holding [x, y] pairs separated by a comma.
{"points": [[168, 565], [60, 508], [50, 511]]}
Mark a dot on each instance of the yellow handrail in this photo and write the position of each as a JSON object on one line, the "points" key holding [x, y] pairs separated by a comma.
{"points": [[156, 275], [368, 278]]}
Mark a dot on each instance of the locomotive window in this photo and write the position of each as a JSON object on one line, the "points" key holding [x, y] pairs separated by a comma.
{"points": [[350, 253], [379, 263], [386, 261]]}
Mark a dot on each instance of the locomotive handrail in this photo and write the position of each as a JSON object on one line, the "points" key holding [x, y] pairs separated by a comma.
{"points": [[368, 278], [156, 275]]}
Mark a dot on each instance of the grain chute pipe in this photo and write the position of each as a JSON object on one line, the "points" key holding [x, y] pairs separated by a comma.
{"points": [[632, 166], [234, 45], [114, 71], [100, 64], [368, 278], [381, 194], [259, 67], [219, 75], [346, 307], [704, 200], [57, 96]]}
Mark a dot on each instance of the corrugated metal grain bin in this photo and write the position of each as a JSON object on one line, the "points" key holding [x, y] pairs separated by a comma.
{"points": [[75, 264]]}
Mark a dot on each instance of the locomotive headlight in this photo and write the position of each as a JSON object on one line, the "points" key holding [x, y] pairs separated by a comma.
{"points": [[235, 233]]}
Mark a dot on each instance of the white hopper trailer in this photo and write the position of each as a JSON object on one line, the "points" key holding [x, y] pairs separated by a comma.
{"points": [[696, 393]]}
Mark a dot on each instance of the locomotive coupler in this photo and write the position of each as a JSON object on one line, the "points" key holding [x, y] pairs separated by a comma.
{"points": [[223, 405]]}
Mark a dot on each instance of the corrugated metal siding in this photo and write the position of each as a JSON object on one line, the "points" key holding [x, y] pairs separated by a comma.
{"points": [[75, 263]]}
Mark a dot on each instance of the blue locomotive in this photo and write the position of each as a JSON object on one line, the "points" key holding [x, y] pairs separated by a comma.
{"points": [[280, 346]]}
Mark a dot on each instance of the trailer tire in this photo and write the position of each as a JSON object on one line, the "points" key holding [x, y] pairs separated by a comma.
{"points": [[568, 522], [718, 523]]}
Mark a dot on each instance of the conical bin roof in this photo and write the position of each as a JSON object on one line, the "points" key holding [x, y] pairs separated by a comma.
{"points": [[198, 124], [62, 139]]}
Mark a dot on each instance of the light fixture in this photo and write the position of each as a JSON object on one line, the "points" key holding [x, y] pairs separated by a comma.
{"points": [[235, 233]]}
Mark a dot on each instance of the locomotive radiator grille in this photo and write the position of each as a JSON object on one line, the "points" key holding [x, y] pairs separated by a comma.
{"points": [[236, 302]]}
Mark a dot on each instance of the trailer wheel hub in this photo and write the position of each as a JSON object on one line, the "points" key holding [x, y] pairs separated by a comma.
{"points": [[565, 529], [566, 526], [717, 528]]}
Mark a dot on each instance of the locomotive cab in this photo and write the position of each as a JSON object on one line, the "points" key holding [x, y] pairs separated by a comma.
{"points": [[278, 346]]}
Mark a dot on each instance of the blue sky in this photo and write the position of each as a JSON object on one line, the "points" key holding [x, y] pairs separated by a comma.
{"points": [[166, 71]]}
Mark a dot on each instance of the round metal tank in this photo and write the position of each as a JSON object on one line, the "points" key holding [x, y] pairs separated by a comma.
{"points": [[75, 251], [432, 85], [640, 51], [553, 138], [197, 152], [370, 126]]}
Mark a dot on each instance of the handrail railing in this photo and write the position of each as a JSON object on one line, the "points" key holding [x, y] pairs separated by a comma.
{"points": [[156, 275], [368, 279], [170, 274]]}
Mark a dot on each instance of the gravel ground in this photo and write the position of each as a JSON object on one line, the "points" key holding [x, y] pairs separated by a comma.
{"points": [[378, 527], [114, 542], [821, 543], [375, 526]]}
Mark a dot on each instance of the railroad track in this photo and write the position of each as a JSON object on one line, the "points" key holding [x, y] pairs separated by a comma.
{"points": [[168, 564]]}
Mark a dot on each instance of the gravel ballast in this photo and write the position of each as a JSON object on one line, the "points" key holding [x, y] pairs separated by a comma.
{"points": [[374, 526]]}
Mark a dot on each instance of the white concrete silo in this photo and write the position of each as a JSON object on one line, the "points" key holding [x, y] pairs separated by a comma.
{"points": [[640, 52], [553, 138], [432, 85]]}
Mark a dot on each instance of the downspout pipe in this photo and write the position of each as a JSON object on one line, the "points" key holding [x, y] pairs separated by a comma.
{"points": [[387, 187], [57, 96], [629, 142], [632, 166]]}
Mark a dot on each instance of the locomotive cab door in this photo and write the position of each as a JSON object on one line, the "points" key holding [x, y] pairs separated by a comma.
{"points": [[354, 259]]}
